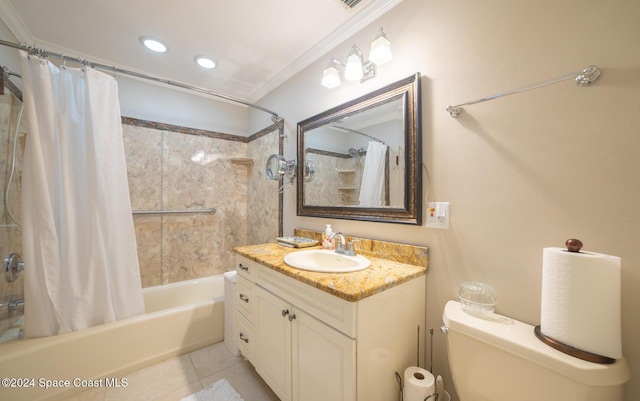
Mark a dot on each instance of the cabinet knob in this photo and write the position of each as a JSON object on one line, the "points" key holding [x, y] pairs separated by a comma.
{"points": [[244, 298], [285, 312], [243, 267], [243, 338], [292, 317]]}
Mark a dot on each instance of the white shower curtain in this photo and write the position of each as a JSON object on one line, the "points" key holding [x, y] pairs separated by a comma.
{"points": [[81, 265], [373, 175]]}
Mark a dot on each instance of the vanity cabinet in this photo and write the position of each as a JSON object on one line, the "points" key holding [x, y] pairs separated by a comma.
{"points": [[300, 357], [246, 304], [309, 345]]}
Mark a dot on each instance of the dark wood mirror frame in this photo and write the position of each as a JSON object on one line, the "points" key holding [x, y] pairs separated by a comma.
{"points": [[408, 90]]}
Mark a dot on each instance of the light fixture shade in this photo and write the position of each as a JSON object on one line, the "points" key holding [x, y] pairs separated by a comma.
{"points": [[330, 77], [380, 49], [353, 69]]}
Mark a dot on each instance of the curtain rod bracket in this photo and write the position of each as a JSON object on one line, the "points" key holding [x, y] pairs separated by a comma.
{"points": [[454, 111], [583, 77]]}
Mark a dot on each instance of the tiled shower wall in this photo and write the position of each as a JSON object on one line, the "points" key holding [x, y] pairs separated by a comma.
{"points": [[264, 214], [336, 182], [170, 169], [10, 233]]}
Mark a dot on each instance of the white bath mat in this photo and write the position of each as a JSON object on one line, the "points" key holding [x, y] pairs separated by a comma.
{"points": [[218, 391]]}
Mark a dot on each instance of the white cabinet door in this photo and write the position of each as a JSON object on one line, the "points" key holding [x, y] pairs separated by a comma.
{"points": [[273, 329], [324, 361]]}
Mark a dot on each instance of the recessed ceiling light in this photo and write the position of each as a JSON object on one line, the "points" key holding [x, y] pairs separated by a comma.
{"points": [[204, 62], [153, 44]]}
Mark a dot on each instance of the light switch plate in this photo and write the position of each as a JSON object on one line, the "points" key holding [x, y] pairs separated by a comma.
{"points": [[438, 214]]}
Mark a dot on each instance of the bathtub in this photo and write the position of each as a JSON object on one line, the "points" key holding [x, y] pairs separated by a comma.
{"points": [[179, 318]]}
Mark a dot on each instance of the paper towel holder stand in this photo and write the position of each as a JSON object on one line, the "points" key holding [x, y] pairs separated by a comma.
{"points": [[569, 350], [573, 245]]}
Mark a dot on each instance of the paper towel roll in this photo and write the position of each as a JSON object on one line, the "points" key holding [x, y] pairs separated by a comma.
{"points": [[581, 300], [418, 384]]}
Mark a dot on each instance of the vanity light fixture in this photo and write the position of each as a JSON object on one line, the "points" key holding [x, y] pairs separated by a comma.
{"points": [[331, 75], [380, 49], [353, 71], [204, 62], [356, 68], [153, 44]]}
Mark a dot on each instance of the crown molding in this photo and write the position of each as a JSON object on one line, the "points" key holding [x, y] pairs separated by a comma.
{"points": [[12, 19]]}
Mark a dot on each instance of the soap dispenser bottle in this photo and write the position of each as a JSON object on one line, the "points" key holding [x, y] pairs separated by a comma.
{"points": [[327, 241]]}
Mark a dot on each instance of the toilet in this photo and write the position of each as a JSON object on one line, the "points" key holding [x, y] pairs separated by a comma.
{"points": [[500, 359]]}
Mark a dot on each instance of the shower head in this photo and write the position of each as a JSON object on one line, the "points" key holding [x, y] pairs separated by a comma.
{"points": [[353, 152]]}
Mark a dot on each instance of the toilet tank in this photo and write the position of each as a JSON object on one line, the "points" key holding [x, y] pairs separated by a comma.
{"points": [[501, 359]]}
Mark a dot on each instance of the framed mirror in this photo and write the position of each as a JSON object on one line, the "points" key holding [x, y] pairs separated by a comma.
{"points": [[367, 156]]}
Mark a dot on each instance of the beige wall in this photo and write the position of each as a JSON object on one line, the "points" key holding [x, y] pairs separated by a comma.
{"points": [[523, 172]]}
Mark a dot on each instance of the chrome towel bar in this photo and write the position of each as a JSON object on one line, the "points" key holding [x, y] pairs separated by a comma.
{"points": [[583, 77]]}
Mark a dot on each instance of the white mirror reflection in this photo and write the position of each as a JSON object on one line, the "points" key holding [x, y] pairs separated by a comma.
{"points": [[365, 157], [359, 160]]}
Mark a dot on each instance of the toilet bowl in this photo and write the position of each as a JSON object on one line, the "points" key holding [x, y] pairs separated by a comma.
{"points": [[500, 359]]}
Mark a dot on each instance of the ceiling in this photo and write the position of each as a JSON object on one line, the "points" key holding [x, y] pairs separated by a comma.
{"points": [[257, 44]]}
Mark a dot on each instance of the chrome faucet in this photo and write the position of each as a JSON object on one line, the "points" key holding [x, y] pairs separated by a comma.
{"points": [[341, 245]]}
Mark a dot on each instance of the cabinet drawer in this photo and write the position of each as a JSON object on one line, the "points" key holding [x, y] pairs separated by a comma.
{"points": [[245, 298], [245, 334], [246, 267]]}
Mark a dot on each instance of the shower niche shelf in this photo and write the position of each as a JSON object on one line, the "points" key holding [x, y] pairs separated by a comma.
{"points": [[347, 196], [347, 178], [241, 160]]}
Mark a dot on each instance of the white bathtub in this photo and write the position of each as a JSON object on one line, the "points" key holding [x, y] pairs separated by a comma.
{"points": [[180, 317]]}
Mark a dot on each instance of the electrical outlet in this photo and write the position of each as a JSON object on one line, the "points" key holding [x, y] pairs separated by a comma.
{"points": [[438, 214]]}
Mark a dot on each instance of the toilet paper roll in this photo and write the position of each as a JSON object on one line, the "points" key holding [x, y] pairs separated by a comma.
{"points": [[418, 384], [581, 300]]}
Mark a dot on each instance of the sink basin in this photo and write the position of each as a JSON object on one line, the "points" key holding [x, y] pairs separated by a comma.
{"points": [[322, 260]]}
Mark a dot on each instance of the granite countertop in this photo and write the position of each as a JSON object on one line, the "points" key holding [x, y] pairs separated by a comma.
{"points": [[381, 275]]}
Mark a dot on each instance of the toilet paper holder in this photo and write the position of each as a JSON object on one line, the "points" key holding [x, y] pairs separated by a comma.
{"points": [[433, 397]]}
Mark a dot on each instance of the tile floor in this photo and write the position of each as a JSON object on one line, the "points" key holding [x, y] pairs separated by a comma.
{"points": [[178, 377]]}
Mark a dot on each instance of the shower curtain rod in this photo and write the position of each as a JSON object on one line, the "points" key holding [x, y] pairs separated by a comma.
{"points": [[33, 50], [340, 127], [583, 77]]}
